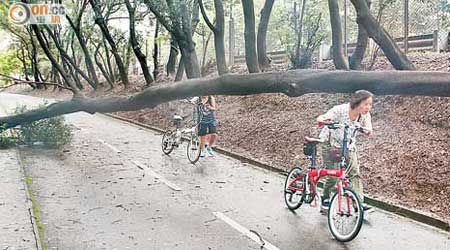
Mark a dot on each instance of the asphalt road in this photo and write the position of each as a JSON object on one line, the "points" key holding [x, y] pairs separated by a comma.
{"points": [[113, 188]]}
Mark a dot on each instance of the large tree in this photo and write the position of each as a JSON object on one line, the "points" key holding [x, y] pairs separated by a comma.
{"points": [[373, 28], [177, 20]]}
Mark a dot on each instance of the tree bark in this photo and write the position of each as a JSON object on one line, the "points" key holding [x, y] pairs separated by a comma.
{"points": [[205, 50], [34, 60], [69, 60], [397, 58], [339, 59], [291, 83], [361, 46], [360, 50], [135, 44], [156, 52], [181, 27], [52, 59], [180, 70], [251, 57], [187, 44], [100, 21], [263, 60], [300, 31], [87, 56], [219, 34], [108, 62], [100, 66], [172, 62]]}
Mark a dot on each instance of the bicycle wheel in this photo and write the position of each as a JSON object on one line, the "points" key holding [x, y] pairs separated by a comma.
{"points": [[345, 216], [167, 143], [193, 148], [294, 188]]}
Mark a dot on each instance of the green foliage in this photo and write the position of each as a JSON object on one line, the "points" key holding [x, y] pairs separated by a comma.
{"points": [[6, 139], [9, 63], [51, 132]]}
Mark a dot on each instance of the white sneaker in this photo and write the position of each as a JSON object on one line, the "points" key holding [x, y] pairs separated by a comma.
{"points": [[210, 151], [202, 153]]}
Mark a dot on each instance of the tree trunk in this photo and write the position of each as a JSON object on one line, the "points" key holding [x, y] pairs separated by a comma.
{"points": [[34, 63], [69, 61], [128, 55], [263, 60], [219, 34], [291, 83], [187, 44], [251, 57], [172, 62], [205, 50], [100, 21], [397, 58], [108, 61], [156, 52], [360, 50], [180, 70], [100, 66], [136, 48], [361, 46], [87, 55], [219, 38], [339, 59], [24, 64], [300, 31], [49, 55]]}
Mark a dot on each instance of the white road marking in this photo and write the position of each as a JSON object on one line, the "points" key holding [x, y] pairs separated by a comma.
{"points": [[110, 146], [245, 231], [148, 171]]}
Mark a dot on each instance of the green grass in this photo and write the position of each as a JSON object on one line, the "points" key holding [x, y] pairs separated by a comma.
{"points": [[34, 204]]}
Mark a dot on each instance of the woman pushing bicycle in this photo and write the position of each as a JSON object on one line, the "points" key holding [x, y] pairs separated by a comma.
{"points": [[356, 112], [207, 130]]}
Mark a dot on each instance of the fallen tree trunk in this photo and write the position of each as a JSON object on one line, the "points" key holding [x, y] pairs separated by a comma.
{"points": [[292, 83]]}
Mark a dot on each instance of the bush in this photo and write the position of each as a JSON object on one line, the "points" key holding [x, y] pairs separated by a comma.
{"points": [[51, 132], [6, 140]]}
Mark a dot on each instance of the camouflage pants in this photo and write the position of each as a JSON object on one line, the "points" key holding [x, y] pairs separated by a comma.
{"points": [[352, 173]]}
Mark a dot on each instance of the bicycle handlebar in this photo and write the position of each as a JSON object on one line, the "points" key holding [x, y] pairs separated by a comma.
{"points": [[336, 125]]}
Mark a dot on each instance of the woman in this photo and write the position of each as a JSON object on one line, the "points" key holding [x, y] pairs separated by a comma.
{"points": [[356, 111], [207, 127]]}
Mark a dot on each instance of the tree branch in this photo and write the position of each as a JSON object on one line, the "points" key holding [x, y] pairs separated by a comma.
{"points": [[205, 16], [291, 83], [20, 81]]}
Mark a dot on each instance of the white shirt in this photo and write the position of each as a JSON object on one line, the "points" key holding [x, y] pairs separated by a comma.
{"points": [[340, 113]]}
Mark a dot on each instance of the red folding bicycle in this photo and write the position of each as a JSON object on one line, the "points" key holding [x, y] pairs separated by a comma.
{"points": [[345, 214]]}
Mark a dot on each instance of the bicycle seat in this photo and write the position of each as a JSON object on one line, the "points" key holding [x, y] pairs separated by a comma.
{"points": [[177, 118], [312, 140]]}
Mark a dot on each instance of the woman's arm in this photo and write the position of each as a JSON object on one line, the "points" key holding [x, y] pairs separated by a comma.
{"points": [[327, 117], [366, 124], [213, 105]]}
